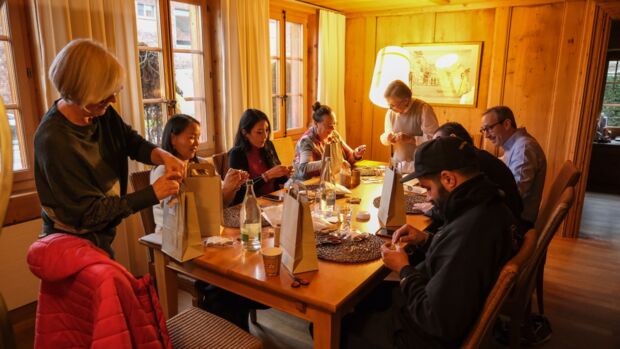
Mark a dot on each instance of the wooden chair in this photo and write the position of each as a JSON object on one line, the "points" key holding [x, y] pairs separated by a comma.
{"points": [[567, 177], [517, 306], [220, 161], [140, 180], [196, 328], [285, 148], [504, 284]]}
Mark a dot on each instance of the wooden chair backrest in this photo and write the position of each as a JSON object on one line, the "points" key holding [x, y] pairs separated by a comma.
{"points": [[500, 291], [567, 177], [220, 161], [140, 180]]}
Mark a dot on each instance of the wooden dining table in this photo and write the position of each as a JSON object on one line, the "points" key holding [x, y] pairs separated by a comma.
{"points": [[333, 291]]}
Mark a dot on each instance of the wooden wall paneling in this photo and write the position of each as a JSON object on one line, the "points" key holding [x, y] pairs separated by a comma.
{"points": [[397, 30], [497, 74], [531, 63], [592, 64], [565, 115], [468, 26], [360, 60]]}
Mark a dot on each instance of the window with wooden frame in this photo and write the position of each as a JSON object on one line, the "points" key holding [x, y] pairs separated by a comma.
{"points": [[611, 96], [175, 70], [288, 43], [18, 91]]}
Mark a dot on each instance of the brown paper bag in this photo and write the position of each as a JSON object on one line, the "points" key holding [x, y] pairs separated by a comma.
{"points": [[392, 207], [297, 234], [181, 233], [204, 182]]}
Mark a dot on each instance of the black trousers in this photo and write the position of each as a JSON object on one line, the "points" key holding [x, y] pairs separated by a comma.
{"points": [[227, 305]]}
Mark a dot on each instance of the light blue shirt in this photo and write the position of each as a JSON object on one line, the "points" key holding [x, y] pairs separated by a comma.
{"points": [[528, 164]]}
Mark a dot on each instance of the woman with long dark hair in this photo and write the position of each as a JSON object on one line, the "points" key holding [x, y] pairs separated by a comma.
{"points": [[254, 152]]}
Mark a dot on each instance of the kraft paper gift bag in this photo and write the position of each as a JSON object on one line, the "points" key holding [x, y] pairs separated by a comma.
{"points": [[297, 233], [205, 183], [392, 207], [181, 233]]}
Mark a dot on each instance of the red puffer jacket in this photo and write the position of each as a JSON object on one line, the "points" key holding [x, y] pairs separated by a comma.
{"points": [[88, 300]]}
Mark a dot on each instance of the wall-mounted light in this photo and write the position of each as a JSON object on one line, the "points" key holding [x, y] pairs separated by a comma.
{"points": [[392, 64]]}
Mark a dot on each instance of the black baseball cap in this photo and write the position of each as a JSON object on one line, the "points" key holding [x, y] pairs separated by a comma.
{"points": [[443, 153]]}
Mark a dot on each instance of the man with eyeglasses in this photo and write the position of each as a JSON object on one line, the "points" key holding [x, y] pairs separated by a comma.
{"points": [[522, 154], [409, 121]]}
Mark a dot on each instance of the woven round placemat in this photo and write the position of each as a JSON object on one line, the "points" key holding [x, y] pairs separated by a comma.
{"points": [[350, 251], [410, 200], [232, 216]]}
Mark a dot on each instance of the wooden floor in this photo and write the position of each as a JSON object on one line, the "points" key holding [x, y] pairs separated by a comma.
{"points": [[582, 290]]}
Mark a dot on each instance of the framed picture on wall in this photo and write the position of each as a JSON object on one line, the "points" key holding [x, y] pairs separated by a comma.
{"points": [[445, 74]]}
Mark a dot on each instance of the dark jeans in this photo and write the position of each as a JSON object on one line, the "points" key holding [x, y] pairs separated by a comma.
{"points": [[227, 305], [380, 321]]}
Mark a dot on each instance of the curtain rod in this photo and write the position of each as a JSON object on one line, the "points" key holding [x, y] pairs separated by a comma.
{"points": [[318, 6]]}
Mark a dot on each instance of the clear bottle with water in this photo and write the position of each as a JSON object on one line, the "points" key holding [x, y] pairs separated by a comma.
{"points": [[250, 219], [327, 190]]}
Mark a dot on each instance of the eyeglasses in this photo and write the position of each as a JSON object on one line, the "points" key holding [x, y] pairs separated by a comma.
{"points": [[488, 128], [400, 105]]}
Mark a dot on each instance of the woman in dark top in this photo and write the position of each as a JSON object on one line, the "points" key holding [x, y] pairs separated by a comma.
{"points": [[253, 152]]}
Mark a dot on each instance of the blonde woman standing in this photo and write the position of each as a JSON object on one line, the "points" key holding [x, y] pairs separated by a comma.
{"points": [[82, 148]]}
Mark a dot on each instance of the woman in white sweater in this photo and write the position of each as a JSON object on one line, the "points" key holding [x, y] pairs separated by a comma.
{"points": [[409, 121]]}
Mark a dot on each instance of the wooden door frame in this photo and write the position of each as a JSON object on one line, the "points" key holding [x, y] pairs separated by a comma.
{"points": [[599, 17]]}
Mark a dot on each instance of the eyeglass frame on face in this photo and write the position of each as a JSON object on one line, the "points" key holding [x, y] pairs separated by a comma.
{"points": [[399, 104], [488, 128]]}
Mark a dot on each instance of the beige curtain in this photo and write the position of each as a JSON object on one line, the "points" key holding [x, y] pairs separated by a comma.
{"points": [[112, 23], [244, 66], [331, 65]]}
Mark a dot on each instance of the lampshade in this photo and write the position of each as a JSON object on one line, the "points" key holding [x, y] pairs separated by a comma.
{"points": [[392, 64]]}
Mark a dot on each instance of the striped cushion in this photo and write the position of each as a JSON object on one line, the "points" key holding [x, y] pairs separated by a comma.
{"points": [[196, 328]]}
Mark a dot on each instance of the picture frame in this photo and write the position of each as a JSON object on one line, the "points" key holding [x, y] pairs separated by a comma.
{"points": [[445, 74]]}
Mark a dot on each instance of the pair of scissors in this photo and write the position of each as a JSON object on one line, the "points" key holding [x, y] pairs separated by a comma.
{"points": [[298, 281]]}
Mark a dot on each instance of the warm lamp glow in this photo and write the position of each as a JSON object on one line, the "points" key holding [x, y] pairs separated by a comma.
{"points": [[447, 61], [392, 64]]}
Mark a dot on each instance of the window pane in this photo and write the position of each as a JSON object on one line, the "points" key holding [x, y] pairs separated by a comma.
{"points": [[294, 40], [154, 122], [294, 75], [189, 75], [186, 26], [275, 91], [294, 111], [613, 68], [19, 154], [147, 22], [198, 110], [275, 101], [274, 37], [6, 73], [151, 74]]}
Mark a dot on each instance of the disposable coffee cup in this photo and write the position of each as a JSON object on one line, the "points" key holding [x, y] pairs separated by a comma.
{"points": [[271, 260]]}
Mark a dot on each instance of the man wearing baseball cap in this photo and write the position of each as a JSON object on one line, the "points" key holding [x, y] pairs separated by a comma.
{"points": [[439, 299]]}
